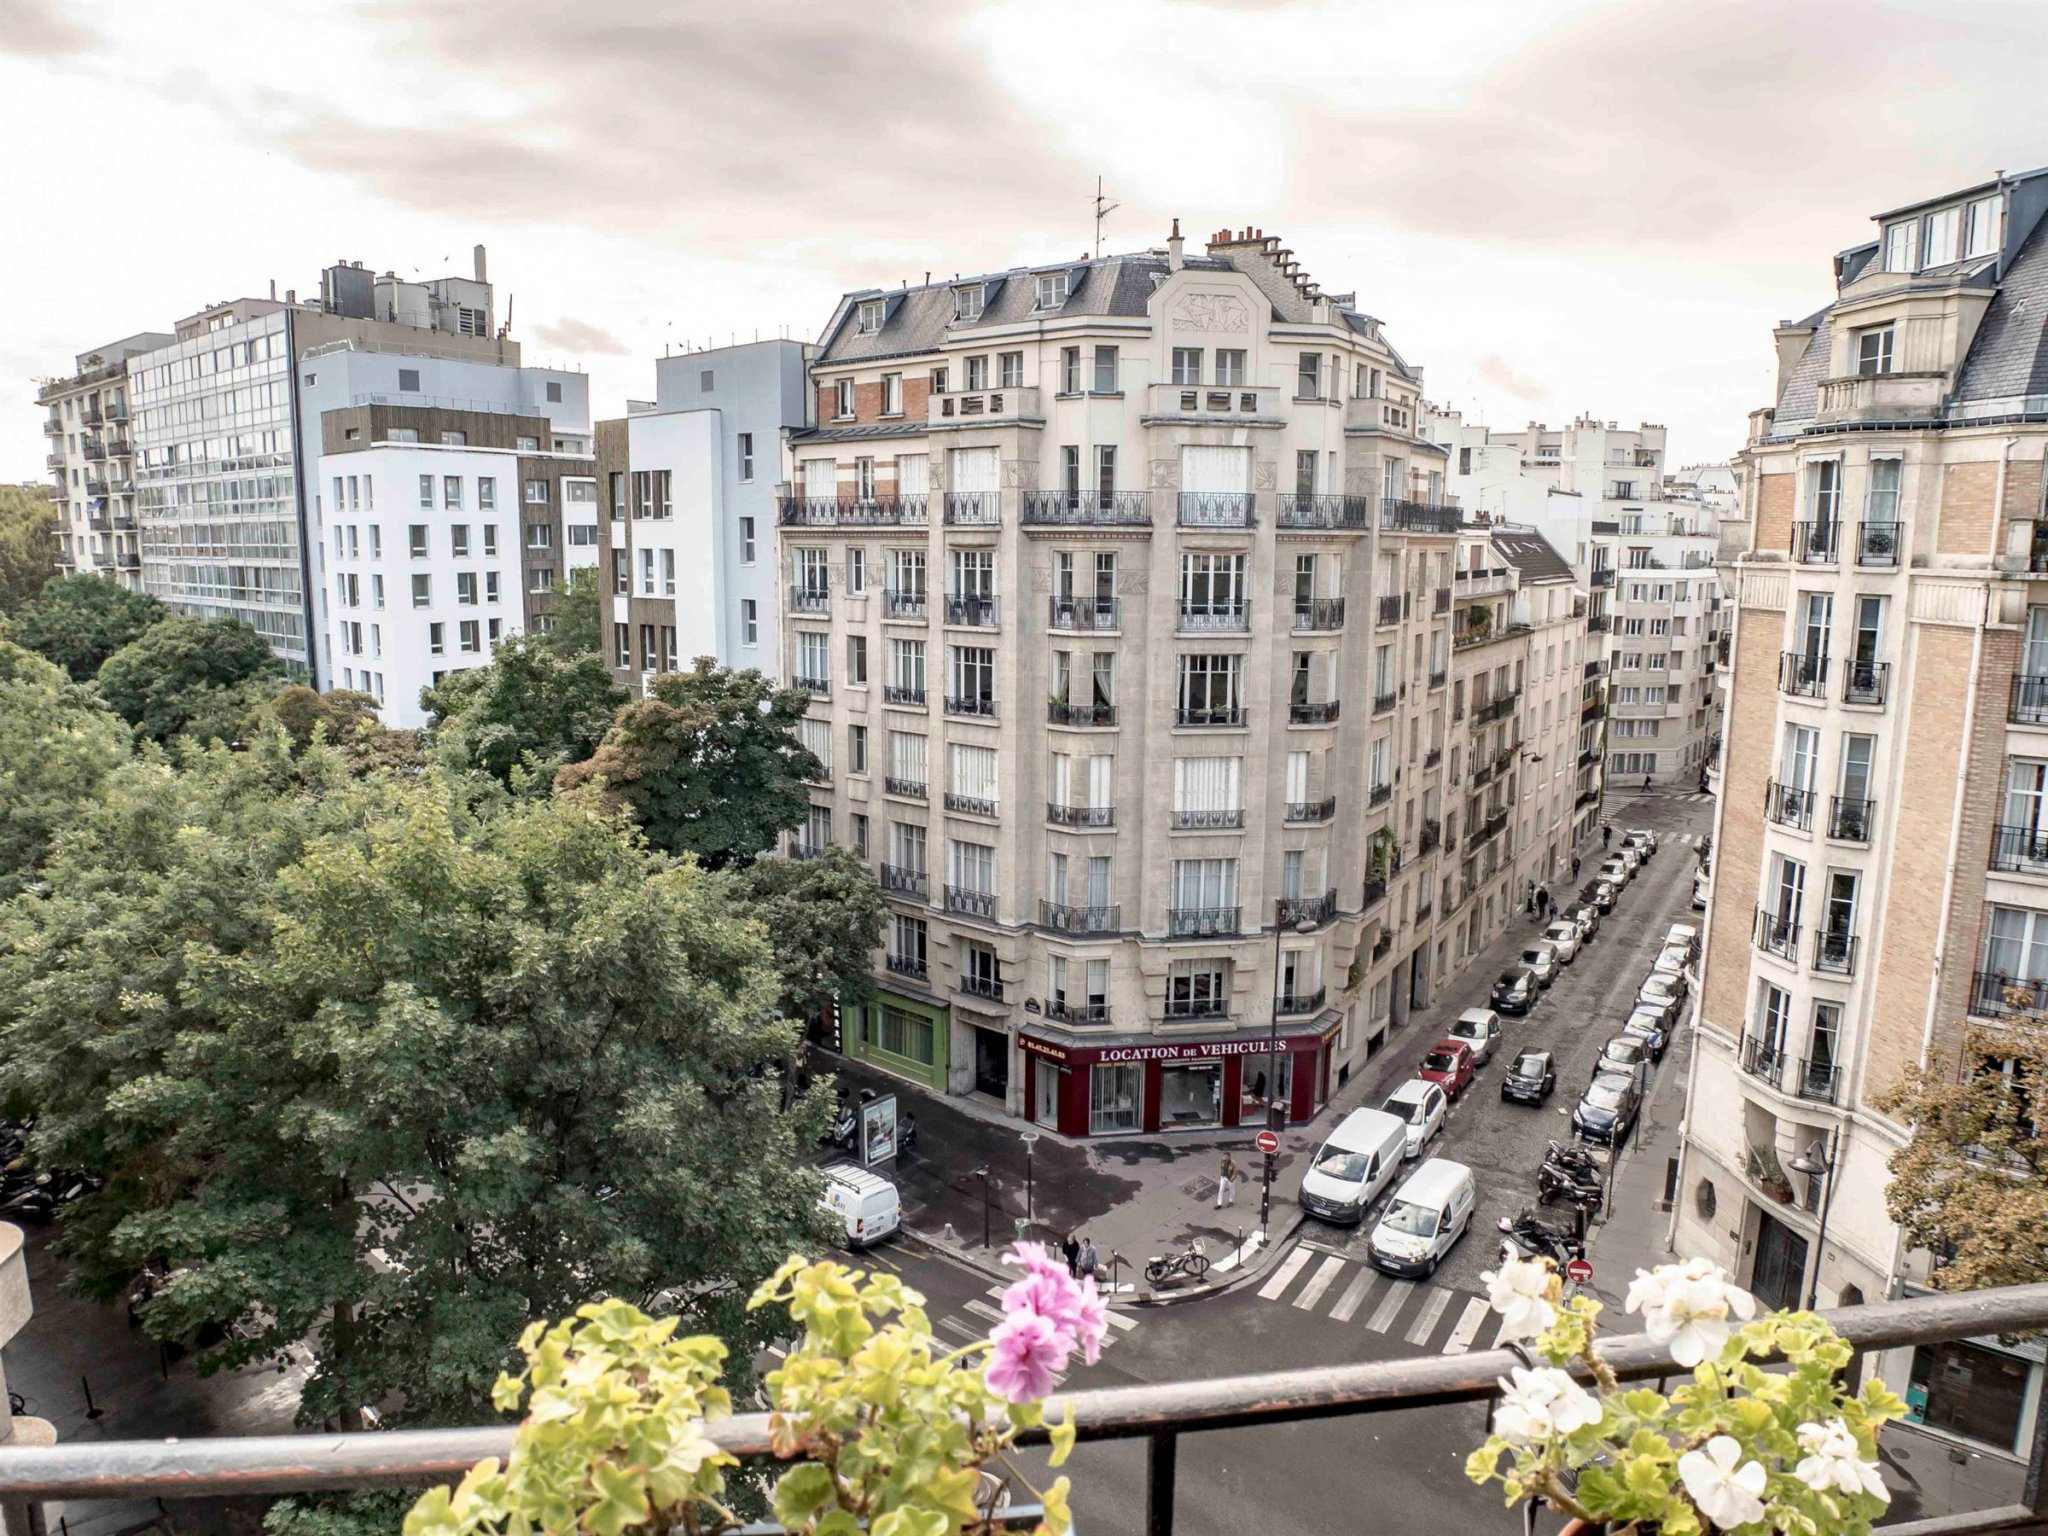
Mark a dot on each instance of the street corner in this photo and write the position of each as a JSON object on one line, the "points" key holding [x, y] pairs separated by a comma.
{"points": [[1230, 1259]]}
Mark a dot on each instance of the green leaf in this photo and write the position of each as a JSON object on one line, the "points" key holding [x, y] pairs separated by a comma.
{"points": [[621, 1499], [1063, 1438], [801, 1492]]}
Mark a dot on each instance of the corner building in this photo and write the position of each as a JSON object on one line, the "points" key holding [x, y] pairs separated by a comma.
{"points": [[1122, 588], [1881, 857]]}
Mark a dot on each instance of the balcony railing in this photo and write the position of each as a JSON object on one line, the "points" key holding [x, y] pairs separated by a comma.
{"points": [[2029, 701], [905, 605], [853, 511], [1789, 805], [1319, 712], [1601, 578], [1217, 509], [1820, 1081], [1431, 758], [1066, 919], [1318, 614], [1299, 811], [1060, 712], [1399, 515], [1849, 820], [970, 903], [1496, 709], [969, 805], [1440, 601], [1802, 675], [1762, 1059], [1389, 609], [1994, 995], [990, 987], [1080, 815], [1196, 1009], [1834, 953], [1076, 1013], [1314, 909], [974, 509], [1863, 682], [906, 882], [1084, 613], [1378, 796], [1337, 513], [911, 698], [1431, 836], [1098, 509], [910, 789], [810, 600], [908, 965], [1217, 614], [1599, 624], [1208, 821], [1206, 718], [970, 704], [973, 612], [1302, 1002], [821, 686], [1817, 543], [2020, 850], [1878, 544], [1203, 922], [1776, 935], [1438, 678]]}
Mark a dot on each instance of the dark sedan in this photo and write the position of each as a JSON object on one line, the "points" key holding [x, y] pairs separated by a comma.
{"points": [[1600, 896], [1607, 1110], [1530, 1079], [1514, 990]]}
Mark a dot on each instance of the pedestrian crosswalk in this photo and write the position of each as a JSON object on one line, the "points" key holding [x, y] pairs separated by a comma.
{"points": [[977, 1315], [1344, 1289]]}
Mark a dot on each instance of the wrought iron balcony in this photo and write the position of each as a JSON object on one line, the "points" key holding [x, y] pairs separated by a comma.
{"points": [[1802, 675], [853, 511], [1066, 919], [1863, 682], [1378, 795], [1343, 514], [970, 704], [1318, 712], [1431, 758], [973, 612], [1601, 578], [970, 903], [906, 882], [1299, 811], [1431, 837], [1302, 1002], [1776, 935], [2029, 704], [53, 425], [904, 605], [1076, 1013], [1438, 678], [1085, 613], [1789, 805], [1208, 718], [990, 987], [973, 509], [1389, 608], [810, 600], [1994, 995], [1318, 614], [1834, 953], [1849, 820], [1100, 509], [910, 698], [821, 687], [1817, 542], [1599, 624], [908, 965], [1496, 708], [1216, 614], [1762, 1059], [909, 789], [1399, 515], [1208, 821], [969, 805], [1820, 1081], [1440, 601], [1495, 824], [1587, 797], [1217, 509], [1203, 922], [1080, 815], [1878, 544], [1291, 910], [2020, 850], [1060, 712], [1190, 1009]]}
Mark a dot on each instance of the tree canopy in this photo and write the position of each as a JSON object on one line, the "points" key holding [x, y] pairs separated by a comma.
{"points": [[532, 705], [709, 763], [58, 743], [579, 615], [190, 676], [79, 621], [826, 914], [28, 545]]}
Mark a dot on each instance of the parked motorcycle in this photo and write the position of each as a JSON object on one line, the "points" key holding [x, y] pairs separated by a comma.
{"points": [[845, 1131], [1542, 1234], [1553, 1183], [1190, 1261]]}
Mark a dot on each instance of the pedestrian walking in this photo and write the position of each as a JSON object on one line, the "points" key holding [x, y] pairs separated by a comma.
{"points": [[1543, 901], [1646, 783], [1575, 866], [1071, 1249], [1089, 1263], [1226, 1182], [1606, 833]]}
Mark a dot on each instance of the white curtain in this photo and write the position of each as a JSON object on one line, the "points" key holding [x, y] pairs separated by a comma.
{"points": [[1297, 778], [1205, 882], [1099, 771], [1215, 469], [1207, 784], [821, 478], [974, 772], [1057, 791], [976, 469], [906, 757], [913, 474], [816, 735], [973, 866]]}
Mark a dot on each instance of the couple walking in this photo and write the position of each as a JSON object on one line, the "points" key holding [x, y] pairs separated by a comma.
{"points": [[1080, 1255]]}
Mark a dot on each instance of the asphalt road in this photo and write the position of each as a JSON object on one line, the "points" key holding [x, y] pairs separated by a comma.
{"points": [[1321, 1304]]}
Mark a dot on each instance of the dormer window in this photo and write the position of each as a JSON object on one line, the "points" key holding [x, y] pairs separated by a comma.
{"points": [[1049, 290], [1902, 247], [868, 318], [1874, 350], [1983, 233], [1942, 231], [968, 300]]}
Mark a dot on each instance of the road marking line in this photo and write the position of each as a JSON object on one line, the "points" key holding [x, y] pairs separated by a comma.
{"points": [[1498, 1333], [958, 1329], [981, 1308], [777, 1351], [1284, 1275], [1118, 1319], [1425, 1320], [1354, 1293], [996, 1292], [1390, 1305], [882, 1259], [1468, 1325], [1320, 1282]]}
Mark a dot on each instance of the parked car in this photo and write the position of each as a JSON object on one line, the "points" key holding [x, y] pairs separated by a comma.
{"points": [[1702, 882], [1540, 960], [865, 1202], [1684, 934], [1448, 1064], [1354, 1165], [1633, 858], [1626, 1053], [1601, 895], [1607, 1110], [1479, 1028], [1648, 1026], [1514, 990], [1616, 872], [1587, 916], [1641, 839], [1563, 936], [1673, 958], [1428, 1213], [1421, 1108], [1530, 1078], [1664, 992]]}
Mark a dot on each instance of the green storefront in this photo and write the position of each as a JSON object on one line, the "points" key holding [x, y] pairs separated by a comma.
{"points": [[902, 1035]]}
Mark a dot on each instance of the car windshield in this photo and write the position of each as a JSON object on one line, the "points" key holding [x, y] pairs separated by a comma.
{"points": [[1342, 1164], [1509, 979], [1533, 957], [1603, 1095], [1439, 1061], [1408, 1217], [1623, 1050], [1558, 932], [1531, 1065], [1408, 1111], [1657, 985]]}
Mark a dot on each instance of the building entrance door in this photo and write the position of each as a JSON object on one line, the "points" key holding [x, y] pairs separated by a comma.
{"points": [[992, 1063], [1778, 1277], [1045, 1094]]}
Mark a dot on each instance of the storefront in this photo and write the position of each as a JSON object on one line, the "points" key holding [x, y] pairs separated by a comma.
{"points": [[1083, 1084], [1984, 1390], [903, 1035]]}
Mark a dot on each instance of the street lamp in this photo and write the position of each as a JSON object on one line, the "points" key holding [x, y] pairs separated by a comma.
{"points": [[1030, 1139], [1816, 1163], [1302, 924]]}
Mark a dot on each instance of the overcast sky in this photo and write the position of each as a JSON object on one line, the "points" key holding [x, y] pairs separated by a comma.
{"points": [[1555, 207]]}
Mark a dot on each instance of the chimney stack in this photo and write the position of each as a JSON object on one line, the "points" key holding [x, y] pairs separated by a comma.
{"points": [[1174, 259], [480, 269]]}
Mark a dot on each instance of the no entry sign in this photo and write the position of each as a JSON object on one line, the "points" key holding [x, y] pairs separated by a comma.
{"points": [[1267, 1142], [1579, 1271]]}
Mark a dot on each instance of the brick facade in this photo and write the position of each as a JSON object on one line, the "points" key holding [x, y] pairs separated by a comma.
{"points": [[1748, 746], [1776, 496], [1968, 497]]}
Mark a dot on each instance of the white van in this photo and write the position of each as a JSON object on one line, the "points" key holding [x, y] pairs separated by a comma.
{"points": [[1427, 1214], [1353, 1166], [865, 1201]]}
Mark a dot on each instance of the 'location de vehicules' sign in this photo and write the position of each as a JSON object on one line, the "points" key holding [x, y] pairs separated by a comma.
{"points": [[1176, 1050]]}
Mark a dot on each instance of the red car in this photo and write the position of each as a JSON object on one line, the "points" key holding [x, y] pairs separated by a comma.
{"points": [[1448, 1064]]}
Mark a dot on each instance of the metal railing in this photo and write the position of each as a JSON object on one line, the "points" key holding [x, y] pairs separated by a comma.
{"points": [[1102, 509], [1440, 600], [974, 509], [969, 805], [1196, 1009], [853, 511], [910, 789], [1863, 682], [1215, 614], [971, 704], [896, 693], [2019, 849], [1803, 675], [904, 605], [990, 987], [1789, 805], [1198, 718], [1994, 995], [810, 600], [1399, 515], [1203, 922], [1352, 513], [1849, 820], [1315, 614], [1060, 712], [1312, 810], [1438, 678], [2029, 704], [908, 965], [1775, 935], [1066, 919], [970, 903], [905, 882], [1076, 1013], [821, 686], [1389, 609], [973, 612], [1599, 624], [1084, 613], [1208, 821], [1878, 543], [1302, 1002], [1378, 796], [1817, 542], [1217, 509], [1834, 954], [1080, 815], [1314, 909], [1762, 1060], [1319, 712], [1601, 577]]}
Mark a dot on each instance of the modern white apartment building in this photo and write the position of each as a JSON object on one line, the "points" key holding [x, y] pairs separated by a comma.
{"points": [[92, 460], [1881, 859], [1124, 590], [689, 507]]}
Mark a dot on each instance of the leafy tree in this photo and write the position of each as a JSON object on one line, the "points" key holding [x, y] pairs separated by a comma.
{"points": [[826, 916], [709, 763], [532, 705], [58, 742], [1969, 1187], [579, 615], [395, 1068], [200, 677], [28, 545], [79, 621]]}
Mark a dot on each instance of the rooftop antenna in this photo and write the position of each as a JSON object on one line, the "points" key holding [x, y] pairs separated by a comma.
{"points": [[1103, 209]]}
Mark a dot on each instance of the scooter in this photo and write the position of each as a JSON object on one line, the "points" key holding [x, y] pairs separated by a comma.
{"points": [[846, 1122], [1560, 1184], [1190, 1261], [1535, 1235]]}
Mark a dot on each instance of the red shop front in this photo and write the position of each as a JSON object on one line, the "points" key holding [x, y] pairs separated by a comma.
{"points": [[1107, 1085]]}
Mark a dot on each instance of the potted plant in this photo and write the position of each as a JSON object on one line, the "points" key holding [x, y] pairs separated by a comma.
{"points": [[1738, 1449], [883, 1430]]}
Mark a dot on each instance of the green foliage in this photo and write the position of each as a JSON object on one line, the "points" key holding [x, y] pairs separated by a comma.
{"points": [[28, 545], [57, 744], [192, 677], [825, 915], [579, 615], [79, 621], [394, 1066], [346, 720], [1970, 1184], [532, 708], [708, 763]]}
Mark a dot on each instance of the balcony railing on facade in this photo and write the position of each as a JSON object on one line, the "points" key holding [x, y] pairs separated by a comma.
{"points": [[1217, 509], [968, 902], [1817, 542], [1834, 952], [806, 599], [1390, 608], [2029, 705], [1378, 795], [1470, 635], [1849, 819], [905, 605], [1314, 615], [1776, 935], [1212, 718], [1494, 825], [1061, 712], [972, 704], [2019, 850], [1817, 1078], [907, 965], [1319, 711], [1087, 614], [972, 612], [1094, 509], [1878, 543], [821, 687], [53, 425], [1863, 682], [1208, 821], [909, 789], [1080, 815], [908, 698], [92, 447], [1587, 797], [1431, 758], [969, 805], [1196, 1010], [1300, 811], [1203, 922], [1599, 624], [1063, 918], [1339, 514], [1439, 678], [973, 509], [1216, 614], [1302, 1002], [854, 511], [1497, 708], [989, 987], [1802, 674], [906, 882], [1789, 805], [1313, 909], [1400, 515], [1076, 1014], [1601, 577], [1431, 837]]}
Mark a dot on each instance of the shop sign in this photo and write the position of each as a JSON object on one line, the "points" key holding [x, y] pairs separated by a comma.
{"points": [[1172, 1050]]}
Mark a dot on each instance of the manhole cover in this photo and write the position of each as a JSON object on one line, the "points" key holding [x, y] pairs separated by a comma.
{"points": [[1195, 1188]]}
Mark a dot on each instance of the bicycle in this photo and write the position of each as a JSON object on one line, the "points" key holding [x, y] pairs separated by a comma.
{"points": [[1190, 1261]]}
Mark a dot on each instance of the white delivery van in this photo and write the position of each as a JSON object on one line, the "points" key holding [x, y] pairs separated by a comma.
{"points": [[1427, 1214], [1354, 1165], [865, 1201]]}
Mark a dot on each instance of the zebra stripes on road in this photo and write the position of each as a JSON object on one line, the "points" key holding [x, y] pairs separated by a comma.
{"points": [[1422, 1314]]}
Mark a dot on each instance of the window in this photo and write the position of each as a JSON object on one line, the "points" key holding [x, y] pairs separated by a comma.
{"points": [[1305, 463], [427, 492], [422, 590], [408, 381], [971, 678], [1210, 689], [541, 579], [1308, 377], [707, 380], [647, 646], [906, 667], [622, 571], [1208, 791], [1982, 236], [892, 394], [622, 645], [536, 493], [938, 381], [747, 551], [868, 318], [907, 770], [451, 492], [527, 444], [973, 776], [542, 536], [1105, 472], [668, 573], [1197, 989], [1902, 246], [857, 749], [971, 866], [857, 660], [465, 588], [458, 540], [583, 535], [490, 538], [436, 646], [816, 739], [968, 300], [1874, 350], [1049, 290], [864, 478], [1943, 232], [1070, 370], [750, 621], [376, 590], [651, 491], [1010, 370], [814, 659], [812, 572], [376, 541], [1105, 371], [1230, 366], [1187, 365], [469, 637], [1881, 502]]}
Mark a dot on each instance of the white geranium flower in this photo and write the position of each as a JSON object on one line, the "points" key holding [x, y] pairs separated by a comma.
{"points": [[1833, 1462], [1689, 1307], [1726, 1494], [1520, 1292], [1541, 1404]]}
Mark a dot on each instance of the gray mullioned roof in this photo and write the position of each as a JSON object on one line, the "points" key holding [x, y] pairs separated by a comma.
{"points": [[1532, 554], [1802, 385], [2009, 354]]}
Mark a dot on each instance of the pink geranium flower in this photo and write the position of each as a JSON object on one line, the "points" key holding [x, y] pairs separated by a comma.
{"points": [[1073, 1307], [1026, 1358]]}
